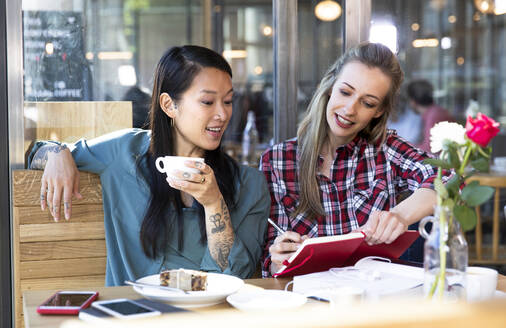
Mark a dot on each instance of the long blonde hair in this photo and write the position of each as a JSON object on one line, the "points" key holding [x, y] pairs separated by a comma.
{"points": [[314, 128]]}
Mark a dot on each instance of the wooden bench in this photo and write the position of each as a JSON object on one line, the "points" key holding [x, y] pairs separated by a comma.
{"points": [[50, 255]]}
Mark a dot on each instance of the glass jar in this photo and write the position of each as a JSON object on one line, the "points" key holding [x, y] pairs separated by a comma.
{"points": [[445, 257]]}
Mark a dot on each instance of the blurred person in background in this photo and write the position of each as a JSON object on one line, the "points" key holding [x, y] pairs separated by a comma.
{"points": [[141, 100], [406, 122], [421, 99]]}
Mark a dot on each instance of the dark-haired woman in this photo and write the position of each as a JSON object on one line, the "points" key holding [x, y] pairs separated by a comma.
{"points": [[214, 220]]}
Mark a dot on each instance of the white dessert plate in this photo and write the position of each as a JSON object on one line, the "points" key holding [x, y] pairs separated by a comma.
{"points": [[267, 299], [499, 294], [219, 286]]}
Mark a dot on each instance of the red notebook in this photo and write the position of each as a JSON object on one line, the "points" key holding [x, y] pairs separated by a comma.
{"points": [[322, 253]]}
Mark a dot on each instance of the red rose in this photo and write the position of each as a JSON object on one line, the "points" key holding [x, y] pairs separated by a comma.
{"points": [[481, 129]]}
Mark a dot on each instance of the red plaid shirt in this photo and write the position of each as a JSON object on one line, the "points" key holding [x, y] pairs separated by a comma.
{"points": [[365, 178]]}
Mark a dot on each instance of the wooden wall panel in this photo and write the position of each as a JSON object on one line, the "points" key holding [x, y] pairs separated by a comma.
{"points": [[80, 213], [26, 188], [61, 231], [56, 255], [58, 250], [70, 121], [62, 268], [78, 282]]}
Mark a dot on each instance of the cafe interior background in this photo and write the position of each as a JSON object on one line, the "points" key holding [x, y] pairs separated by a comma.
{"points": [[61, 54]]}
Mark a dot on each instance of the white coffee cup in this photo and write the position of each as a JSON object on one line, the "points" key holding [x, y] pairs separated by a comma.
{"points": [[345, 295], [167, 164], [481, 283], [500, 162]]}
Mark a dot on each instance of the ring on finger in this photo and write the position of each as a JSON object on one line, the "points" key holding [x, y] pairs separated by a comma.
{"points": [[203, 179]]}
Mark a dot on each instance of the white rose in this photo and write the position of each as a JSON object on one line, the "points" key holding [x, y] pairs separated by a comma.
{"points": [[446, 130]]}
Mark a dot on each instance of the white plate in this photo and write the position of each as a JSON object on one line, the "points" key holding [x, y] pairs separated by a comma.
{"points": [[499, 294], [219, 286], [267, 299]]}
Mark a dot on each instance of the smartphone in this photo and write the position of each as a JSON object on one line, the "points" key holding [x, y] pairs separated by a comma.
{"points": [[125, 308], [67, 302]]}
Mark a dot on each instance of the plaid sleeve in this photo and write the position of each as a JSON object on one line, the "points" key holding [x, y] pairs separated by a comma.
{"points": [[407, 162], [271, 164]]}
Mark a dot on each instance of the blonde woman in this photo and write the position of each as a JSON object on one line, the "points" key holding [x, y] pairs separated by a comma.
{"points": [[344, 170]]}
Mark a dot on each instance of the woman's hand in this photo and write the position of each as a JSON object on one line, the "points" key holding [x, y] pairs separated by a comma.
{"points": [[283, 248], [201, 186], [60, 177], [204, 188], [383, 227]]}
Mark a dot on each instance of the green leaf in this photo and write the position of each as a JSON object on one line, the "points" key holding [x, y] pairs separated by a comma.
{"points": [[466, 217], [453, 156], [448, 144], [437, 162], [440, 188], [453, 185], [474, 194], [481, 164], [449, 203]]}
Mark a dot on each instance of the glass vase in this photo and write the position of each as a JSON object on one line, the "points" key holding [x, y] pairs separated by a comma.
{"points": [[445, 257]]}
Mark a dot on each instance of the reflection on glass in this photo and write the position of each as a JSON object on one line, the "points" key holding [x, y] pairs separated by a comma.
{"points": [[55, 65], [456, 45], [384, 33], [89, 50], [320, 43], [247, 45]]}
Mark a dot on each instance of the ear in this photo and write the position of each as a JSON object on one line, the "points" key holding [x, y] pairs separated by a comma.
{"points": [[379, 112], [167, 105]]}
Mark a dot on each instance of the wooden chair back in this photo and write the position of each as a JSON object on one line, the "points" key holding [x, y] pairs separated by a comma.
{"points": [[56, 255], [494, 253]]}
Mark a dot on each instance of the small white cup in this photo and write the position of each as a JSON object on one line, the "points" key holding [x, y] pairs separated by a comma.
{"points": [[345, 295], [167, 164], [500, 162], [481, 283]]}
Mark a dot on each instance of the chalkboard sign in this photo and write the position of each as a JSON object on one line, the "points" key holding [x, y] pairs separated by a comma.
{"points": [[55, 65]]}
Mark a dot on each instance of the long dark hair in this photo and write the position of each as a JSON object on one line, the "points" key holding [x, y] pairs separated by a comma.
{"points": [[174, 74]]}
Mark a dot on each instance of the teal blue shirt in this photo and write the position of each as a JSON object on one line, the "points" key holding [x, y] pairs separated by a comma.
{"points": [[126, 196]]}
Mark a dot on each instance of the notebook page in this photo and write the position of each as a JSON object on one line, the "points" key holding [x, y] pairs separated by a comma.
{"points": [[384, 265], [376, 280]]}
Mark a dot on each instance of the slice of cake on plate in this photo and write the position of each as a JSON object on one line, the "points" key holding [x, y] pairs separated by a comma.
{"points": [[189, 280]]}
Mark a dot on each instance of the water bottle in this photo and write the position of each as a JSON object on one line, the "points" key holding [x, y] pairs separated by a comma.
{"points": [[249, 140]]}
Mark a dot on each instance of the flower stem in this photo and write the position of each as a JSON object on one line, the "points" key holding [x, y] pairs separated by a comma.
{"points": [[440, 274], [465, 160], [480, 150], [442, 252]]}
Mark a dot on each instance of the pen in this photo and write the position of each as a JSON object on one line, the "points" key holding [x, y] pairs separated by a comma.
{"points": [[281, 231], [321, 299]]}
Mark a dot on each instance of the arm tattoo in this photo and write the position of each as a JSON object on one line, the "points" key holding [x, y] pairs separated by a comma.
{"points": [[40, 158], [224, 208], [223, 252], [221, 244], [219, 225]]}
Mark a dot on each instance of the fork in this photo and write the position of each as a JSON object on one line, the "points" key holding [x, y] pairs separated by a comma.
{"points": [[144, 285]]}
